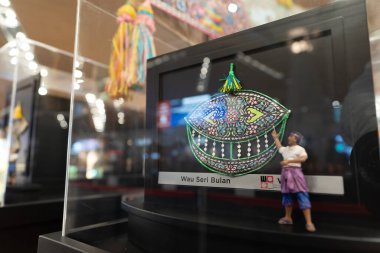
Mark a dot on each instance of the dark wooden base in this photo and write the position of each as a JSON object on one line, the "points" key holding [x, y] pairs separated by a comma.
{"points": [[168, 231]]}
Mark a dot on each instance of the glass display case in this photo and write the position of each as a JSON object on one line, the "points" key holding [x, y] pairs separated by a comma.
{"points": [[36, 94], [189, 163], [35, 102], [8, 84]]}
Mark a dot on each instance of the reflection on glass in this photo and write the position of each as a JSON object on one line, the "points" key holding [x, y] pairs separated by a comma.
{"points": [[315, 64], [40, 93]]}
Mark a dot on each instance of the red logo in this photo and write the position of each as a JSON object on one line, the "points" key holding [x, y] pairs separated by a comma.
{"points": [[266, 182], [163, 118]]}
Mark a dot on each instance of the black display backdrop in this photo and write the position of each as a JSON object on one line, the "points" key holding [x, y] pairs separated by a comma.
{"points": [[317, 85], [43, 145], [319, 67]]}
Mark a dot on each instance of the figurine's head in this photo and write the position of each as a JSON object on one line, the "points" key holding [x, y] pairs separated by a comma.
{"points": [[294, 138]]}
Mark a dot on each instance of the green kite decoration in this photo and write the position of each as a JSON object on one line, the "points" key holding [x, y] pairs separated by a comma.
{"points": [[232, 84], [230, 134]]}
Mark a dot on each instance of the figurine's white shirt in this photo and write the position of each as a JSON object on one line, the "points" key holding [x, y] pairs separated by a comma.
{"points": [[292, 153]]}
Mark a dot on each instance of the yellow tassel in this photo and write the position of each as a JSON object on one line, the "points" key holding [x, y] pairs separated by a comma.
{"points": [[17, 114], [117, 85]]}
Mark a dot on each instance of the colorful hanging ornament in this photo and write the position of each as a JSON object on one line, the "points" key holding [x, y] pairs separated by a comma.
{"points": [[181, 5], [17, 113], [20, 124], [142, 45], [238, 126], [213, 19], [289, 4], [117, 85], [133, 45]]}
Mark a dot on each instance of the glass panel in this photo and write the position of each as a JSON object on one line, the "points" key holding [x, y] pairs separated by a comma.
{"points": [[103, 157], [190, 162], [374, 37], [40, 108], [8, 84]]}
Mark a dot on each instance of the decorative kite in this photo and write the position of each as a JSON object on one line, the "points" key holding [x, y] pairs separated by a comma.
{"points": [[142, 45], [230, 133], [132, 45]]}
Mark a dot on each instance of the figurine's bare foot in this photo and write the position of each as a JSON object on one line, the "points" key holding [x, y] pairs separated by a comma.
{"points": [[310, 228], [285, 221]]}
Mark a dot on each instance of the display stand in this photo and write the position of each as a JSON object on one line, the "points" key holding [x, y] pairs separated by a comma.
{"points": [[182, 229], [317, 64]]}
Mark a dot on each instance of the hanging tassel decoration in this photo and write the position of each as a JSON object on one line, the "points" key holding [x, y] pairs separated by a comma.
{"points": [[231, 83], [117, 85], [17, 114], [142, 45]]}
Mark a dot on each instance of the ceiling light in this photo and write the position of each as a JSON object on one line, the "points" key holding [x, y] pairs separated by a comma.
{"points": [[232, 7], [99, 103], [118, 102], [101, 111], [33, 65], [11, 23], [121, 121], [78, 73], [29, 56], [120, 114], [10, 14], [63, 124], [20, 35], [77, 64], [13, 52], [12, 43], [91, 98], [42, 91], [301, 46], [25, 46], [5, 3], [44, 72], [10, 19], [14, 60], [336, 104], [76, 86], [60, 117]]}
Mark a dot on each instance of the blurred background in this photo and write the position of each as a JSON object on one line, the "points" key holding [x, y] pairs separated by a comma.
{"points": [[45, 67]]}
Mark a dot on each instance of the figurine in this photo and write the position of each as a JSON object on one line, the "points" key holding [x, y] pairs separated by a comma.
{"points": [[293, 180]]}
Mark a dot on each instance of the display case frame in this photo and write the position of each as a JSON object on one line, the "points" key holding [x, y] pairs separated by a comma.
{"points": [[158, 209], [186, 206]]}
